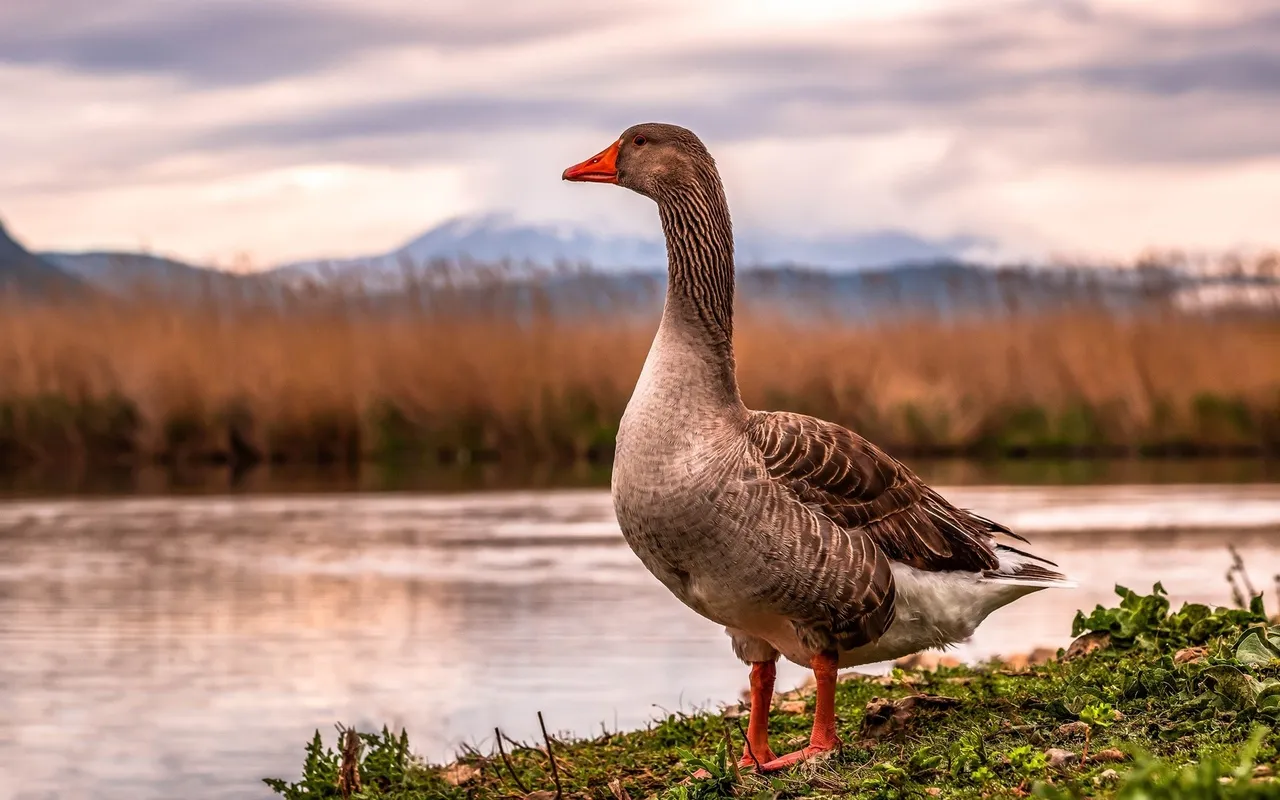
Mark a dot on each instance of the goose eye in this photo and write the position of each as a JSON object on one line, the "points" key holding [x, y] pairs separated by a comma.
{"points": [[639, 140]]}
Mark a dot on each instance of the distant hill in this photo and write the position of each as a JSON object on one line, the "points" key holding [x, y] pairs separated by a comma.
{"points": [[624, 271], [29, 275], [120, 273], [939, 289], [859, 276], [497, 238]]}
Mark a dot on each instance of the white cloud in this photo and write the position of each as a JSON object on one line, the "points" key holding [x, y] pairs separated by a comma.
{"points": [[331, 209], [1096, 128]]}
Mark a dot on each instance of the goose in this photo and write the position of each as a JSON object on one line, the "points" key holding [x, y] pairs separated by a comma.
{"points": [[803, 539]]}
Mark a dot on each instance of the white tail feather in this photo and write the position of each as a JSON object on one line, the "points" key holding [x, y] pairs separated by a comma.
{"points": [[1014, 562], [1030, 583]]}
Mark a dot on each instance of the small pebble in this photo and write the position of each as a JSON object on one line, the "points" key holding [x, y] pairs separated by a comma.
{"points": [[1190, 655], [1042, 655], [458, 774], [1016, 662], [619, 793], [925, 661], [1076, 728], [1088, 643], [1109, 755]]}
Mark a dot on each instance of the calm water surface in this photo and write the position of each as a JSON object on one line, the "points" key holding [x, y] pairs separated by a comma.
{"points": [[187, 647]]}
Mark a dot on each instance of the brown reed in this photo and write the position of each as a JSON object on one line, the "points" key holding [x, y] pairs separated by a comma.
{"points": [[448, 372]]}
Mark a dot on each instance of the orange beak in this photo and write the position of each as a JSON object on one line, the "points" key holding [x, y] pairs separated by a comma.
{"points": [[600, 168]]}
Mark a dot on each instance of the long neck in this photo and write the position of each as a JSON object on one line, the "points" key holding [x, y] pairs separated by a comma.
{"points": [[699, 305]]}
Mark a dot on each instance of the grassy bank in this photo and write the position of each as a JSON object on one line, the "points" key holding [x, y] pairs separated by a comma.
{"points": [[1149, 704], [335, 376]]}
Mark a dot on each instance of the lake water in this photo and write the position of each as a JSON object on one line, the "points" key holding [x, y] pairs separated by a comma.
{"points": [[185, 647]]}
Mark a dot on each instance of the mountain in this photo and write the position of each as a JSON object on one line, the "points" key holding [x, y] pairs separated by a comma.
{"points": [[29, 275], [858, 276], [934, 290], [121, 273], [497, 238], [873, 250]]}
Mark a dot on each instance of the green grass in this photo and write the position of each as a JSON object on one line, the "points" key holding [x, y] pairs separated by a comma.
{"points": [[1156, 718]]}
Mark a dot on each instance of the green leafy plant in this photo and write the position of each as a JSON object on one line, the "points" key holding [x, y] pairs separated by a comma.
{"points": [[719, 780], [1145, 620], [386, 769], [1095, 715], [319, 774], [1258, 647], [889, 782], [967, 759], [924, 763], [1098, 715], [1210, 778], [1028, 762]]}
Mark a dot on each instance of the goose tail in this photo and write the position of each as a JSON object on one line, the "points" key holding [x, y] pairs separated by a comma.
{"points": [[1020, 568]]}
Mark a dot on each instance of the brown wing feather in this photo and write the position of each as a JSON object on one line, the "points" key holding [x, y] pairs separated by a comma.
{"points": [[862, 489], [838, 588]]}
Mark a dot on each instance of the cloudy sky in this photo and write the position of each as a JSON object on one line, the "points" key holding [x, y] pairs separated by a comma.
{"points": [[283, 129]]}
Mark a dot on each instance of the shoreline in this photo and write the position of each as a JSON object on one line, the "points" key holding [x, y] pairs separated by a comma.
{"points": [[1144, 700], [402, 475], [236, 454]]}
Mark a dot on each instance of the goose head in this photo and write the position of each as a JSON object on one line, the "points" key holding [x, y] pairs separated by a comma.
{"points": [[653, 159]]}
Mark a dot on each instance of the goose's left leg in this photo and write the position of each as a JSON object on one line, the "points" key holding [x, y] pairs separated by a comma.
{"points": [[823, 738]]}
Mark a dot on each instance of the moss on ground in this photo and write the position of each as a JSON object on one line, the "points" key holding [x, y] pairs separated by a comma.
{"points": [[1165, 705]]}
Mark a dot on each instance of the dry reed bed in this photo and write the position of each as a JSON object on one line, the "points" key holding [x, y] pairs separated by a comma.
{"points": [[345, 379]]}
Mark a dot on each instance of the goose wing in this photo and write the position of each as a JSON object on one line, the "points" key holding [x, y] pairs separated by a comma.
{"points": [[863, 490], [869, 510]]}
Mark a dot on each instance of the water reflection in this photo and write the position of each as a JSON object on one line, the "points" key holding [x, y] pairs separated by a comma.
{"points": [[166, 647], [198, 480]]}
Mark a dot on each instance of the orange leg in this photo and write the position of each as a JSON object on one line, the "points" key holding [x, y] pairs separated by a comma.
{"points": [[824, 736], [756, 752]]}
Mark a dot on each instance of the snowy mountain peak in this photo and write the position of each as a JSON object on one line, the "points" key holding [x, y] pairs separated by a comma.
{"points": [[498, 237]]}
